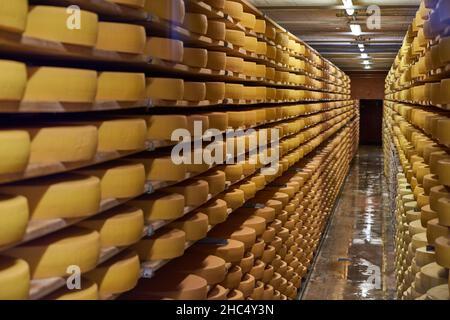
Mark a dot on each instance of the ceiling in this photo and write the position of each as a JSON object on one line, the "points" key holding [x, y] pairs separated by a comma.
{"points": [[324, 24]]}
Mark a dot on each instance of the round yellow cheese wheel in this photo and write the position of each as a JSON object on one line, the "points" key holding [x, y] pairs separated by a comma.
{"points": [[55, 144], [165, 89], [14, 150], [160, 206], [218, 293], [14, 279], [216, 30], [196, 23], [195, 192], [122, 135], [117, 275], [441, 292], [234, 9], [247, 285], [52, 84], [435, 230], [14, 78], [13, 218], [121, 37], [433, 275], [216, 60], [160, 127], [166, 243], [195, 226], [122, 226], [173, 10], [165, 49], [51, 23], [119, 179], [235, 37], [442, 248], [61, 196], [233, 278], [51, 255], [234, 198], [195, 57], [246, 263], [120, 86], [233, 251]]}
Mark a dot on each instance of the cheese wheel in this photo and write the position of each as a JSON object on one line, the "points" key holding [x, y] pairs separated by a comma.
{"points": [[215, 91], [216, 181], [13, 218], [258, 291], [234, 9], [427, 214], [216, 30], [14, 150], [218, 293], [423, 256], [52, 23], [122, 135], [195, 226], [13, 16], [160, 206], [251, 44], [261, 48], [165, 89], [443, 211], [235, 37], [117, 275], [14, 279], [160, 127], [173, 10], [196, 23], [218, 4], [194, 91], [216, 211], [233, 251], [247, 285], [164, 49], [235, 92], [120, 86], [234, 199], [260, 26], [51, 84], [247, 262], [443, 171], [433, 275], [195, 57], [441, 292], [119, 179], [51, 255], [14, 78], [121, 37], [442, 248], [248, 20], [167, 285], [216, 60], [217, 120], [195, 192], [64, 196], [166, 243], [122, 226], [209, 267], [435, 230], [88, 291], [159, 168], [63, 144], [234, 64]]}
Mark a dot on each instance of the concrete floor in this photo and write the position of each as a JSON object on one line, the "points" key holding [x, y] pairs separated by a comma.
{"points": [[356, 259]]}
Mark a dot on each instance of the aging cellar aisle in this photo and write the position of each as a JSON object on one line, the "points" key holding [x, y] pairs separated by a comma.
{"points": [[357, 254]]}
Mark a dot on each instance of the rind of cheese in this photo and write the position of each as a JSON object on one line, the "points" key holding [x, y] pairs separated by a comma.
{"points": [[52, 84], [51, 255], [118, 275], [234, 9], [235, 37], [122, 226], [216, 30], [195, 57], [160, 206], [121, 37], [164, 49], [160, 127], [194, 91], [120, 86], [88, 291], [173, 10], [64, 196], [159, 168], [13, 79], [14, 151], [13, 219], [196, 23], [165, 89], [13, 16], [248, 20], [51, 23], [122, 135], [195, 192], [195, 226], [63, 144], [14, 279], [216, 60], [165, 244], [215, 91]]}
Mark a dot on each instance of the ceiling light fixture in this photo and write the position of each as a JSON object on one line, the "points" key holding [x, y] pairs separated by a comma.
{"points": [[364, 55], [366, 62], [361, 47], [367, 67], [356, 29], [348, 5]]}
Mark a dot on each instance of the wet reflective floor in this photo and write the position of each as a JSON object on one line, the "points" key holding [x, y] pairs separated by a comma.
{"points": [[356, 260]]}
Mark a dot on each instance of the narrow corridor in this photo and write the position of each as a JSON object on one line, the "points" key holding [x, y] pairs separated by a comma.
{"points": [[357, 256]]}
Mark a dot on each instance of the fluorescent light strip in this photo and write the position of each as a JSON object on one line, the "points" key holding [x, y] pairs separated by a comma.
{"points": [[348, 5]]}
